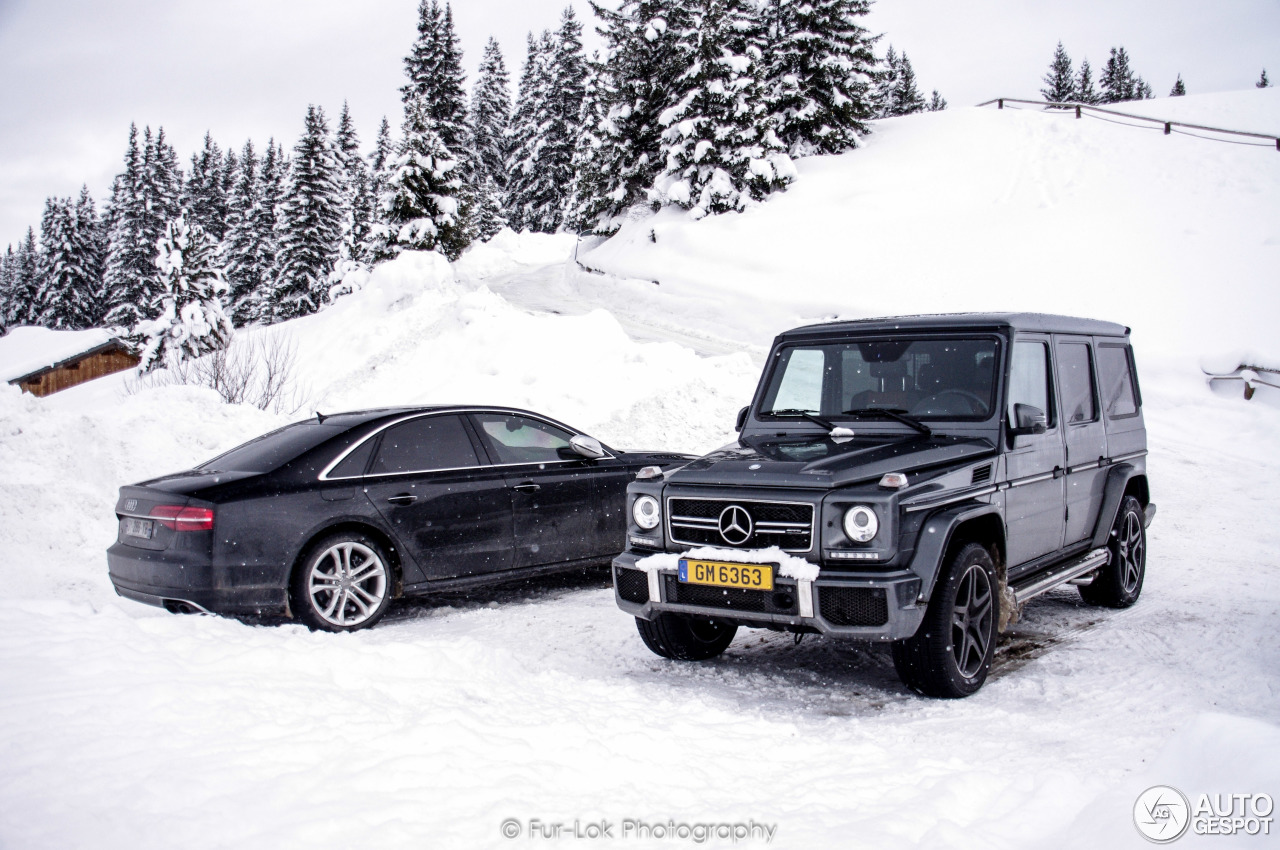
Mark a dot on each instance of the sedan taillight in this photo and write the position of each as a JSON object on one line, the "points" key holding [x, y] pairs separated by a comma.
{"points": [[183, 519]]}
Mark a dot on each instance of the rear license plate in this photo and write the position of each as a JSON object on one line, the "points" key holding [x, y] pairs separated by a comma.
{"points": [[134, 527], [721, 574]]}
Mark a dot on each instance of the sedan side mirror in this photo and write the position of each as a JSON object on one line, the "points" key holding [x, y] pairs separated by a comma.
{"points": [[1030, 420], [588, 447], [742, 419]]}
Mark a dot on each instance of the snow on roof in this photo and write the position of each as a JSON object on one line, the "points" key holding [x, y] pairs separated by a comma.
{"points": [[25, 350]]}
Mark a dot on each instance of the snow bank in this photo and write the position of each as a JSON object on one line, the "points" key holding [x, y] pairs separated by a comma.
{"points": [[25, 350], [508, 251]]}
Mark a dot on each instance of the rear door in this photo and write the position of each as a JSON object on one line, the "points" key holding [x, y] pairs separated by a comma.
{"points": [[1084, 433], [450, 510], [553, 490], [1034, 501]]}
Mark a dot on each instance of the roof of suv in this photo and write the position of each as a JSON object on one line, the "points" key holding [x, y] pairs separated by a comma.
{"points": [[1041, 322]]}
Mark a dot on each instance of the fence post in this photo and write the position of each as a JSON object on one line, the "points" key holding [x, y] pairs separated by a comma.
{"points": [[1000, 103], [1077, 110], [1168, 128]]}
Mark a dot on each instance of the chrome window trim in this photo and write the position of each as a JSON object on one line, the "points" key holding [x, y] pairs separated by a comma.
{"points": [[324, 473], [813, 520]]}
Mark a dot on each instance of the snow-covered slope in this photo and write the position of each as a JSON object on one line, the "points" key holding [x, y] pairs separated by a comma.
{"points": [[123, 726]]}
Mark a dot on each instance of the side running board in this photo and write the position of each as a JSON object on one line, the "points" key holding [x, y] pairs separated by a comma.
{"points": [[1033, 586]]}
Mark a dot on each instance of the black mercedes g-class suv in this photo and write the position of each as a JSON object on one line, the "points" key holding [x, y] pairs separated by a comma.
{"points": [[913, 480]]}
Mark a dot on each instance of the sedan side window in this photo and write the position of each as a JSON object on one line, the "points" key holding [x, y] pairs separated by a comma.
{"points": [[424, 444], [519, 439], [1029, 379]]}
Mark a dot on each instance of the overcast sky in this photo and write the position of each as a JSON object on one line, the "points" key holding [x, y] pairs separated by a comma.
{"points": [[75, 73]]}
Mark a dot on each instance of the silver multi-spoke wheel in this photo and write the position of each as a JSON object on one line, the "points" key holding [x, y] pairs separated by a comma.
{"points": [[971, 618], [345, 584], [1131, 547]]}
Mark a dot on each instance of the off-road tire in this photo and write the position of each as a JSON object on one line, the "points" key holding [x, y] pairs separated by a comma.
{"points": [[1119, 583], [683, 637], [950, 655], [343, 583]]}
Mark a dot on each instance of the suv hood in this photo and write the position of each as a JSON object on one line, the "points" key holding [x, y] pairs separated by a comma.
{"points": [[818, 461]]}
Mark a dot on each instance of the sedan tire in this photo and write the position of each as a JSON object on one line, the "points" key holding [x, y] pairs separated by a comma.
{"points": [[343, 584]]}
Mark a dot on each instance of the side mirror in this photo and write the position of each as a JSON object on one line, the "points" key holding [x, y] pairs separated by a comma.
{"points": [[742, 419], [588, 447], [1029, 420]]}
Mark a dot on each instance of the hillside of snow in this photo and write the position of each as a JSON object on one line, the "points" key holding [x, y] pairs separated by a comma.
{"points": [[124, 726]]}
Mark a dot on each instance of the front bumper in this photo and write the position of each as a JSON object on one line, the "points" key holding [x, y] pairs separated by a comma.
{"points": [[874, 607], [176, 581]]}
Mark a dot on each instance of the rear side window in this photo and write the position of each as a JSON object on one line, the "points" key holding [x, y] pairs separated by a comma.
{"points": [[353, 465], [1115, 373], [1075, 381], [1029, 379], [424, 444]]}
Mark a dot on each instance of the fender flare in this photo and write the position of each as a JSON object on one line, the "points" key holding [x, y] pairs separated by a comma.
{"points": [[936, 535], [1117, 482]]}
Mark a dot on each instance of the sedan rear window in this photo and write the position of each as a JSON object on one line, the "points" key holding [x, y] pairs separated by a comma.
{"points": [[273, 450]]}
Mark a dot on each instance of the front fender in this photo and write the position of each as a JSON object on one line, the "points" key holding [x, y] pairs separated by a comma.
{"points": [[936, 535]]}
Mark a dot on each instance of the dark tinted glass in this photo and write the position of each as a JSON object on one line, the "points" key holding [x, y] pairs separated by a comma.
{"points": [[1116, 379], [927, 377], [353, 465], [1075, 381], [1029, 379], [519, 439], [423, 444], [271, 451]]}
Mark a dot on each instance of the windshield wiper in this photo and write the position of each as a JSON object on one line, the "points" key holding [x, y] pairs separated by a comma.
{"points": [[891, 413], [792, 413]]}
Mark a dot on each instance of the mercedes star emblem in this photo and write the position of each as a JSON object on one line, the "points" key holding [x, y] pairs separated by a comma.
{"points": [[735, 525]]}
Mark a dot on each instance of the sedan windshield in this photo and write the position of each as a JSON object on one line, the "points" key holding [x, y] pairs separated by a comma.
{"points": [[920, 378], [270, 451]]}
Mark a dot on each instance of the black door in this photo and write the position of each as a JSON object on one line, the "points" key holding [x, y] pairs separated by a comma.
{"points": [[449, 510], [1034, 500], [553, 490]]}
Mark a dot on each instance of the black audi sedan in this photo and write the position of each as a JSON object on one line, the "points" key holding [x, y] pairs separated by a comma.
{"points": [[327, 520]]}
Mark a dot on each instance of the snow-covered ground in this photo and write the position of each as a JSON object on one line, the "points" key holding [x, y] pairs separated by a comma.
{"points": [[124, 726]]}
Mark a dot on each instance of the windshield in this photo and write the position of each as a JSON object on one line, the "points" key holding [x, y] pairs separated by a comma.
{"points": [[924, 377]]}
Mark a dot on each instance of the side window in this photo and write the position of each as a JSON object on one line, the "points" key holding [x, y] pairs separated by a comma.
{"points": [[424, 444], [353, 465], [1116, 379], [519, 439], [1029, 379], [1075, 381]]}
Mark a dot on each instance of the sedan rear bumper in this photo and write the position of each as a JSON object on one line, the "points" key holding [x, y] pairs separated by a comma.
{"points": [[177, 582]]}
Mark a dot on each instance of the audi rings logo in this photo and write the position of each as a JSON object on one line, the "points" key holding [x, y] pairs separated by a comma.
{"points": [[130, 504], [735, 525], [1161, 814]]}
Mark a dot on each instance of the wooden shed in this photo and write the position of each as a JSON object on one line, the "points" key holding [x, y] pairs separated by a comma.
{"points": [[42, 361]]}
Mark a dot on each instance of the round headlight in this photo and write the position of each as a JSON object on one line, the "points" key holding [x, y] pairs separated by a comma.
{"points": [[646, 513], [860, 523]]}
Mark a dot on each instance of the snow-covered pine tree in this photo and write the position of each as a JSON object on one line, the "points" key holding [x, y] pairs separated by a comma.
{"points": [[1118, 82], [528, 189], [1263, 82], [1142, 89], [145, 197], [380, 164], [247, 250], [937, 103], [587, 189], [205, 193], [1060, 81], [91, 234], [818, 72], [490, 116], [884, 81], [308, 223], [905, 98], [719, 148], [1179, 88], [357, 199], [421, 203], [23, 306], [640, 67], [568, 88], [436, 78], [1085, 92], [190, 321], [69, 277], [8, 274]]}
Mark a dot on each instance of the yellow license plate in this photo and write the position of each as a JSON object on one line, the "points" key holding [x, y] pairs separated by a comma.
{"points": [[721, 574]]}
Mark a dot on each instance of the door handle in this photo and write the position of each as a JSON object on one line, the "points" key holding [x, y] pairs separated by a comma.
{"points": [[527, 487], [403, 499]]}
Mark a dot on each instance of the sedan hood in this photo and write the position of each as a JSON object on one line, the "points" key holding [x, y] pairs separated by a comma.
{"points": [[820, 461]]}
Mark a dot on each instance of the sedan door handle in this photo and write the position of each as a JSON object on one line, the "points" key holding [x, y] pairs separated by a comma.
{"points": [[527, 487], [403, 499]]}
